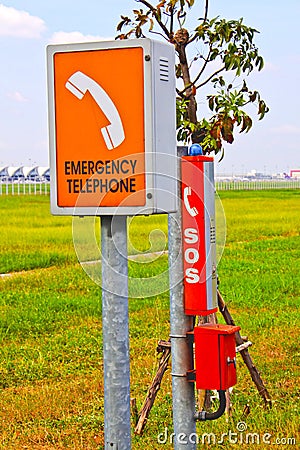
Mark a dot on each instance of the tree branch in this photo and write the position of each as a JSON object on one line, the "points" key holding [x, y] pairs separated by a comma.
{"points": [[199, 74], [160, 34], [165, 348], [203, 67], [154, 12], [171, 21], [209, 78], [255, 375], [193, 38], [206, 10], [179, 93]]}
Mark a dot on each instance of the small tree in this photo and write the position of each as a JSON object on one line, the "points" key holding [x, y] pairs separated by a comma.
{"points": [[226, 46]]}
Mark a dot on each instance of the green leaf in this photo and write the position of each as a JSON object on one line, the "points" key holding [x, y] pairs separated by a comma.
{"points": [[211, 102], [260, 62]]}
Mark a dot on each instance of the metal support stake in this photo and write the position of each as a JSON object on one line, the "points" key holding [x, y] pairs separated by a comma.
{"points": [[115, 333], [183, 391]]}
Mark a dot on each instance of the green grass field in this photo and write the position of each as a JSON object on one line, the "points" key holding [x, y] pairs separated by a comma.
{"points": [[51, 387]]}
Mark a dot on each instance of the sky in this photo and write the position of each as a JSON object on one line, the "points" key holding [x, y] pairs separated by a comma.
{"points": [[26, 27]]}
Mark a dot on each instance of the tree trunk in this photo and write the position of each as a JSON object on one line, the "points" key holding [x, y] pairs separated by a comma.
{"points": [[181, 39]]}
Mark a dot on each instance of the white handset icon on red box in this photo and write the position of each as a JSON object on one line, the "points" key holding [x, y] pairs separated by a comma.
{"points": [[191, 210]]}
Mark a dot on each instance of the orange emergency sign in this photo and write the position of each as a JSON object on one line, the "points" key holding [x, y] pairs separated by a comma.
{"points": [[100, 146], [112, 127]]}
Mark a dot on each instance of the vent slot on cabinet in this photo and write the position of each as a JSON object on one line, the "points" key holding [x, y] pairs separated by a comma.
{"points": [[163, 69], [212, 234]]}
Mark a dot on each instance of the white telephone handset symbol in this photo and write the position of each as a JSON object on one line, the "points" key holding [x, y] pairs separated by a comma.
{"points": [[191, 210], [113, 134]]}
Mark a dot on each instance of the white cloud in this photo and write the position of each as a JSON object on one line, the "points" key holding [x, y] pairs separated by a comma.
{"points": [[286, 129], [17, 23], [18, 97], [62, 37]]}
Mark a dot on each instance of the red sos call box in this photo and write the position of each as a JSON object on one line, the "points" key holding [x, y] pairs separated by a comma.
{"points": [[199, 235], [215, 356]]}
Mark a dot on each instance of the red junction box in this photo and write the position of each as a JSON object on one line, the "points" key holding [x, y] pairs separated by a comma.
{"points": [[215, 356]]}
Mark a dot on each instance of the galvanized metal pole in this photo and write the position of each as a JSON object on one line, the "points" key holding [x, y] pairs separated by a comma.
{"points": [[183, 391], [115, 333]]}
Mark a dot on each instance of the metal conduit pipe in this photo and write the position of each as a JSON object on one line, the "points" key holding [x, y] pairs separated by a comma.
{"points": [[204, 415]]}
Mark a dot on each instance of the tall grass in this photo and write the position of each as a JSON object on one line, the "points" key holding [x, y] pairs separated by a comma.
{"points": [[51, 389], [30, 237]]}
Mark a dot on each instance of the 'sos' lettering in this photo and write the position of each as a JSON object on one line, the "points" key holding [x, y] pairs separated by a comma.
{"points": [[191, 255], [190, 235], [191, 275]]}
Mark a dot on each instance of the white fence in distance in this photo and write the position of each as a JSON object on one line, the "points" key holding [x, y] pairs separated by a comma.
{"points": [[43, 188], [257, 185], [25, 188]]}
